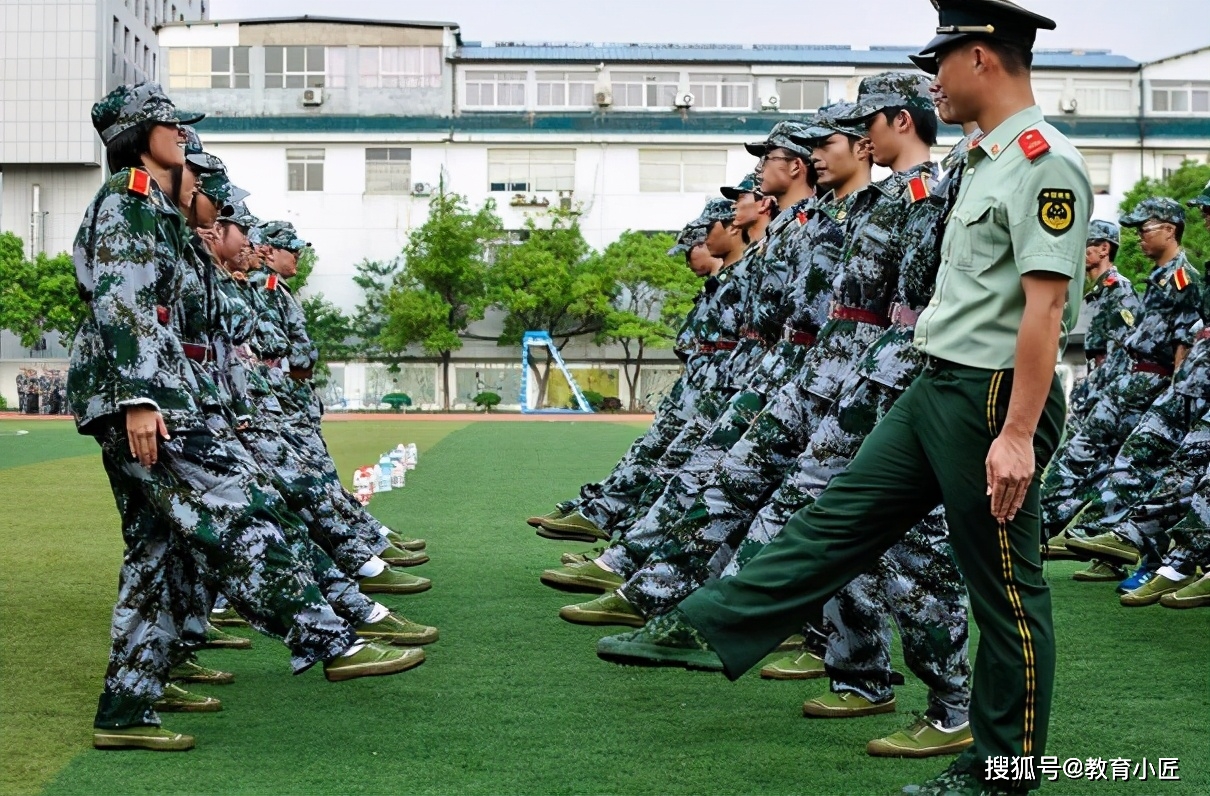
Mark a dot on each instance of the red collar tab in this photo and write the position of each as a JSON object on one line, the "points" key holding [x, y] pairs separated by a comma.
{"points": [[801, 216], [917, 189], [139, 183], [1033, 144], [271, 282]]}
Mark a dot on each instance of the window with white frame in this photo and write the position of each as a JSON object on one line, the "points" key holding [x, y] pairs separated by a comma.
{"points": [[1171, 163], [565, 89], [208, 67], [388, 170], [682, 170], [1100, 171], [801, 94], [521, 170], [335, 70], [1105, 96], [721, 91], [294, 67], [494, 89], [644, 89], [399, 67], [304, 169], [1048, 93], [1180, 96]]}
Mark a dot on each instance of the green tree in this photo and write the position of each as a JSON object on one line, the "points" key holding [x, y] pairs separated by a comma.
{"points": [[306, 264], [331, 331], [442, 287], [645, 282], [375, 278], [37, 296], [1182, 185], [549, 283]]}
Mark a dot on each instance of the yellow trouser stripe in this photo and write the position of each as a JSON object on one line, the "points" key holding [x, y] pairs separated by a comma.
{"points": [[1014, 596]]}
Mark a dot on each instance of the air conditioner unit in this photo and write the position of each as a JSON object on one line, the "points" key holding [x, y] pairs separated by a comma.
{"points": [[604, 97], [684, 100], [313, 96], [422, 189], [1069, 105], [771, 103]]}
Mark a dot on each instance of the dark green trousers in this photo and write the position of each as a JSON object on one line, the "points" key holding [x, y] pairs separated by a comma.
{"points": [[930, 448]]}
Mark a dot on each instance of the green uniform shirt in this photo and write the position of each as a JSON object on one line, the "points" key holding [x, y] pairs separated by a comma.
{"points": [[1014, 215]]}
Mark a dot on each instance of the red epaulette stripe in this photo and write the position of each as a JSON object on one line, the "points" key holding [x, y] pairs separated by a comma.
{"points": [[1180, 278], [917, 189], [271, 282], [1033, 144], [139, 182]]}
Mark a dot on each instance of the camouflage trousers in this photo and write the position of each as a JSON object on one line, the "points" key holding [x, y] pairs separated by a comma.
{"points": [[204, 513], [1191, 536], [1083, 460], [1141, 462]]}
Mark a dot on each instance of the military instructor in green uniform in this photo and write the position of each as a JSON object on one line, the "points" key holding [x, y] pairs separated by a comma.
{"points": [[975, 430]]}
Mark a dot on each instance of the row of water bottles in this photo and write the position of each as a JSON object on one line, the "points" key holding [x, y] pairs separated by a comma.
{"points": [[390, 472]]}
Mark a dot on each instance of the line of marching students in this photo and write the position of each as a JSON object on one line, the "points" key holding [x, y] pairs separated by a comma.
{"points": [[192, 370]]}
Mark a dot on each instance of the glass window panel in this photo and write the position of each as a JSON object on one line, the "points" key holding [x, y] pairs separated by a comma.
{"points": [[220, 81], [315, 59], [315, 176], [241, 60], [273, 60], [295, 59], [296, 176], [243, 81], [1179, 101], [220, 59], [294, 81], [1201, 101], [1159, 101]]}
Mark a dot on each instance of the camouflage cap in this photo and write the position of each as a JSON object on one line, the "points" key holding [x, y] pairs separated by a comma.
{"points": [[282, 235], [835, 118], [749, 184], [1159, 208], [962, 20], [891, 90], [716, 210], [213, 180], [780, 137], [1202, 199], [692, 235], [237, 212], [1107, 231], [127, 106], [193, 142]]}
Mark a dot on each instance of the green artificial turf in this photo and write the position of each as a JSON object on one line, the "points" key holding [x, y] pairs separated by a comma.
{"points": [[512, 699]]}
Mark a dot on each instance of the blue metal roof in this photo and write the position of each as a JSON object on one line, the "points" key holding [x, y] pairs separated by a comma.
{"points": [[805, 54]]}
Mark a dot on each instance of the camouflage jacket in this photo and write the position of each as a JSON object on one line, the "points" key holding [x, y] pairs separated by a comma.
{"points": [[147, 294], [1112, 305], [868, 278], [285, 325], [1172, 306], [1192, 378], [720, 319]]}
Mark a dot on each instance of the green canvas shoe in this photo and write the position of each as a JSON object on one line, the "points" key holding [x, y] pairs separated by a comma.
{"points": [[404, 543], [395, 629], [572, 527], [391, 581], [1195, 595], [585, 577], [1098, 572], [803, 666], [1106, 547], [217, 639], [156, 739], [1056, 550], [373, 660], [1153, 590], [177, 700], [667, 640], [608, 609], [227, 618], [537, 521], [844, 705], [922, 739], [580, 558], [403, 558], [194, 672], [792, 644]]}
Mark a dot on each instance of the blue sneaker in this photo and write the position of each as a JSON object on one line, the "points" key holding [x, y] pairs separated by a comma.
{"points": [[1141, 575]]}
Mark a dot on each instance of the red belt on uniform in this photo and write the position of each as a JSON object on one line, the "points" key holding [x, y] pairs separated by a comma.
{"points": [[1097, 359], [751, 334], [903, 315], [301, 374], [791, 335], [717, 345], [1203, 334], [272, 363], [840, 312], [198, 353], [1152, 367]]}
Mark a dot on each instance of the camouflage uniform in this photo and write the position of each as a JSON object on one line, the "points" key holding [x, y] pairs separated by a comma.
{"points": [[149, 306], [23, 386], [1171, 309]]}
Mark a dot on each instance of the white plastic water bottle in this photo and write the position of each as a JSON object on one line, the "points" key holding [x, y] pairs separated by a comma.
{"points": [[383, 481], [413, 456], [398, 476]]}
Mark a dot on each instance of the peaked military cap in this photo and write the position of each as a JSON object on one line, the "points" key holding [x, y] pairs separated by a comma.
{"points": [[835, 118], [282, 235], [892, 90], [749, 184], [213, 179], [780, 137], [1159, 208], [128, 106], [1107, 231], [692, 235], [1202, 199], [193, 142], [962, 20], [237, 212], [716, 210]]}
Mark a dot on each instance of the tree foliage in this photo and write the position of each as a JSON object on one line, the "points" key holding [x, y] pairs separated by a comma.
{"points": [[1182, 185], [331, 331], [37, 296], [375, 279], [306, 264]]}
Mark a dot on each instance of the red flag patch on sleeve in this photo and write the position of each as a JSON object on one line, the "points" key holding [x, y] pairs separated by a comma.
{"points": [[917, 189], [1033, 144], [139, 182], [1180, 278], [271, 282]]}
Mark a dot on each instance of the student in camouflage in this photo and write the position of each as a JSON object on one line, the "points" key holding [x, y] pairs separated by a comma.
{"points": [[1163, 334], [137, 385]]}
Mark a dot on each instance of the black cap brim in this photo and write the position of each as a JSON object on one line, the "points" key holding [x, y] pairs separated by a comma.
{"points": [[927, 59], [757, 150]]}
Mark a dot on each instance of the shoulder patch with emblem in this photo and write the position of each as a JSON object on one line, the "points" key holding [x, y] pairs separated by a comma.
{"points": [[917, 189], [1111, 280], [1033, 144], [139, 183], [801, 217], [1180, 278], [1128, 316], [271, 282], [1056, 210]]}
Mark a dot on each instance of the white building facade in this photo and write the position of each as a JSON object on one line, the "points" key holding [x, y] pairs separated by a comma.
{"points": [[345, 127]]}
